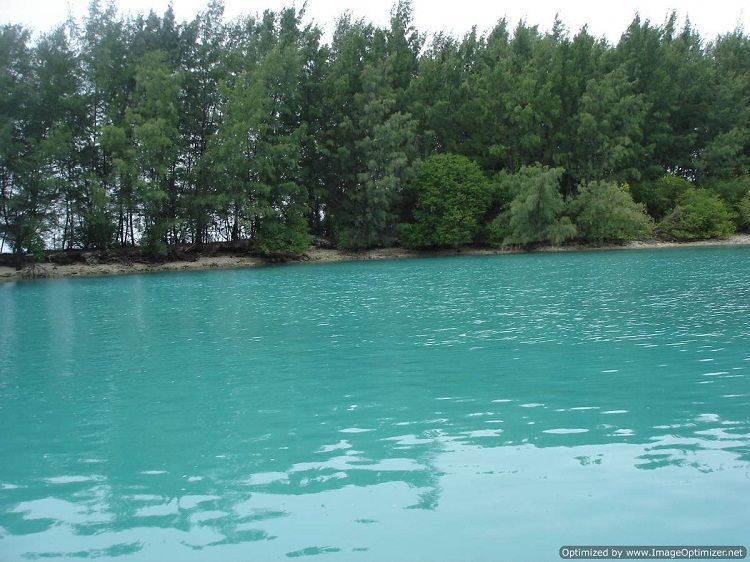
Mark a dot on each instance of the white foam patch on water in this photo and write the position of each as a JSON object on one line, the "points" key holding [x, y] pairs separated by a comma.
{"points": [[343, 444], [715, 374], [532, 405], [730, 439], [611, 371], [71, 513], [502, 401], [70, 479], [585, 408], [263, 478], [161, 510], [565, 430], [615, 412], [354, 430], [408, 440], [624, 432], [323, 478], [707, 418], [146, 498], [483, 433], [154, 472]]}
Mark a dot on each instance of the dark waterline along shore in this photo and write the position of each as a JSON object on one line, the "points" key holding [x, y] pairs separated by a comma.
{"points": [[321, 255]]}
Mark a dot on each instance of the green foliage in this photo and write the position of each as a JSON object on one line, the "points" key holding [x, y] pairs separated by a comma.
{"points": [[725, 152], [118, 128], [35, 248], [535, 214], [731, 190], [98, 229], [256, 155], [29, 143], [371, 218], [699, 214], [724, 155], [660, 195], [743, 212], [610, 124], [606, 211], [372, 145], [452, 196], [152, 242], [285, 236], [154, 118], [496, 231]]}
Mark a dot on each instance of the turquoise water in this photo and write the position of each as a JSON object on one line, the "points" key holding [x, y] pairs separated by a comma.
{"points": [[476, 408]]}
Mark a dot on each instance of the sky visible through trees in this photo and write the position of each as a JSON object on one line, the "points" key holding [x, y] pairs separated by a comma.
{"points": [[152, 132]]}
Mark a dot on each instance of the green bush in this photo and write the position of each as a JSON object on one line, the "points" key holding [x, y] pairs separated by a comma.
{"points": [[733, 191], [284, 236], [660, 196], [730, 190], [606, 211], [535, 214], [452, 197], [36, 248], [153, 240], [98, 229], [743, 212], [699, 214], [496, 231]]}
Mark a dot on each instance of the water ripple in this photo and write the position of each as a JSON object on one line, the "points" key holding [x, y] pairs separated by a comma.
{"points": [[440, 407]]}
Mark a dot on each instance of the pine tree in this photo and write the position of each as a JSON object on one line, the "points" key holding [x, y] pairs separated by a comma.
{"points": [[535, 214]]}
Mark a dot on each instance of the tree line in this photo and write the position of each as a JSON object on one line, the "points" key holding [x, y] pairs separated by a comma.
{"points": [[146, 131]]}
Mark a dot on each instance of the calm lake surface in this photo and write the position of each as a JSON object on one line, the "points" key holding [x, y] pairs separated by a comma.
{"points": [[476, 408]]}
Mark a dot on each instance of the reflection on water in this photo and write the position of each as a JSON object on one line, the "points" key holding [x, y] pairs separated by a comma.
{"points": [[480, 408]]}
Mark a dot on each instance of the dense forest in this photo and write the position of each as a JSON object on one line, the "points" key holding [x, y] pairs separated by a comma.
{"points": [[144, 131]]}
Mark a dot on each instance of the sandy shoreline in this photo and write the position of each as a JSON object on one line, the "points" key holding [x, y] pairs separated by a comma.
{"points": [[320, 255]]}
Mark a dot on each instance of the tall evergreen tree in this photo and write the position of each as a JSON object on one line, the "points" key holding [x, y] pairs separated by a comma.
{"points": [[141, 129], [536, 212], [26, 195], [202, 69], [610, 130]]}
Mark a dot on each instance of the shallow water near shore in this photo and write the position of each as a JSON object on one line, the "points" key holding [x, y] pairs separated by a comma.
{"points": [[476, 408]]}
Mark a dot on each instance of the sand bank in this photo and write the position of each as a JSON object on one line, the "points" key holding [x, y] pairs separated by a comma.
{"points": [[320, 255]]}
